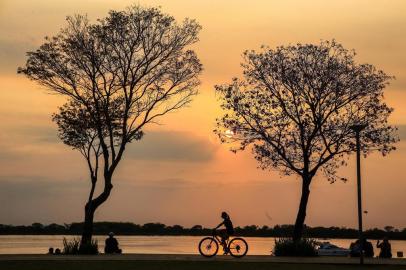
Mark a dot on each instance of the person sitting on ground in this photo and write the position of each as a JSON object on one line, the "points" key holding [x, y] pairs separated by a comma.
{"points": [[386, 249], [368, 249], [227, 232], [111, 245], [58, 251], [355, 249], [51, 251]]}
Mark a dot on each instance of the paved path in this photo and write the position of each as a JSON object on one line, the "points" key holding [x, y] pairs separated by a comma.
{"points": [[182, 257]]}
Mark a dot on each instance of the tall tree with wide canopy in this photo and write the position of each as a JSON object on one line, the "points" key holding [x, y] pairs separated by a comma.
{"points": [[295, 107], [119, 74]]}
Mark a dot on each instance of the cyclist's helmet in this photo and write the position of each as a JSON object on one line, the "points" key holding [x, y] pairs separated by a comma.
{"points": [[224, 215]]}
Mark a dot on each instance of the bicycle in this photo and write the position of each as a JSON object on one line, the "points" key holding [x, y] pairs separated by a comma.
{"points": [[209, 246]]}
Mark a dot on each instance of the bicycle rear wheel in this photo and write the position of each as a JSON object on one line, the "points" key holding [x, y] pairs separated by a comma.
{"points": [[238, 247], [208, 247]]}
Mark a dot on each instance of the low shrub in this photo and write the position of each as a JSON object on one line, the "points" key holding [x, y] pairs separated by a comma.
{"points": [[73, 247], [288, 247]]}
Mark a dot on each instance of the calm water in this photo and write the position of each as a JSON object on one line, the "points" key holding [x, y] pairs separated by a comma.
{"points": [[37, 244]]}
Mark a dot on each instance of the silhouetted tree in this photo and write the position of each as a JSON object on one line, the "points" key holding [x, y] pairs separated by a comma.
{"points": [[295, 106], [197, 228], [119, 74]]}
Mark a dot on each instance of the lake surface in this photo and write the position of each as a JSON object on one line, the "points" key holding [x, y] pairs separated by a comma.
{"points": [[39, 244]]}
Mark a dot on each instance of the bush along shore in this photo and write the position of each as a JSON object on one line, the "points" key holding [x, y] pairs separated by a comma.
{"points": [[128, 228]]}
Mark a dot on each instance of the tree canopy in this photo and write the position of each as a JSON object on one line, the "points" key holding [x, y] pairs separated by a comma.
{"points": [[295, 108], [132, 64], [119, 74], [296, 104]]}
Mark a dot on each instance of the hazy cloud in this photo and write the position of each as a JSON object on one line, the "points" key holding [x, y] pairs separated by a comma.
{"points": [[172, 146], [36, 134], [399, 83], [8, 153], [17, 143], [35, 186], [155, 145], [402, 132], [164, 183], [12, 54], [27, 199]]}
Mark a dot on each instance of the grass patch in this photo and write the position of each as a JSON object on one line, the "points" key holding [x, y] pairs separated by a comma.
{"points": [[73, 247], [288, 247]]}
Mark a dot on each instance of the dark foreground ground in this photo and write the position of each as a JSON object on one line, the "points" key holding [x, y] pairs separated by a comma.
{"points": [[178, 265], [186, 262]]}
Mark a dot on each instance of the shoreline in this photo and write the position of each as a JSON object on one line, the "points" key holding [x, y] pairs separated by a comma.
{"points": [[197, 235]]}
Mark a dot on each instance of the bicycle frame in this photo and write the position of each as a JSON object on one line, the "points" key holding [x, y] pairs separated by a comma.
{"points": [[218, 238]]}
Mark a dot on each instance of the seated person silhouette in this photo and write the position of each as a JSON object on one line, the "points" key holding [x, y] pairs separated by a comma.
{"points": [[386, 249], [368, 249], [111, 246], [355, 249], [225, 233]]}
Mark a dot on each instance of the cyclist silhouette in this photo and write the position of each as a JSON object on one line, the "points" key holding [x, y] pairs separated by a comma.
{"points": [[225, 233], [236, 247]]}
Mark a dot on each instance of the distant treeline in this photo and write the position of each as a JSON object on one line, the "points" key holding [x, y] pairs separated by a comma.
{"points": [[127, 228]]}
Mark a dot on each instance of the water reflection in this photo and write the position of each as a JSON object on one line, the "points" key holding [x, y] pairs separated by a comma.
{"points": [[39, 244]]}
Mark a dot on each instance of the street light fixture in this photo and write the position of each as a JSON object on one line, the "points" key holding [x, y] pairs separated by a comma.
{"points": [[357, 129]]}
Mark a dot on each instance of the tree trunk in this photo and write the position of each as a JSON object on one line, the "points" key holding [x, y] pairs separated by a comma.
{"points": [[89, 215], [90, 209], [301, 214], [88, 225]]}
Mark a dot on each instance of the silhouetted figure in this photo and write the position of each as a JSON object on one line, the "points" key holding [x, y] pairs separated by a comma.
{"points": [[225, 233], [57, 251], [355, 249], [386, 249], [368, 249], [111, 245], [51, 250]]}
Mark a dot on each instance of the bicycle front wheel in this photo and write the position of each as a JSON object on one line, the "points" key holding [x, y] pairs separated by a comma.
{"points": [[238, 247], [208, 247]]}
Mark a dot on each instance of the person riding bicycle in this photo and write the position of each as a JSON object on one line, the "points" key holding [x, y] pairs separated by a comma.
{"points": [[236, 247], [225, 233]]}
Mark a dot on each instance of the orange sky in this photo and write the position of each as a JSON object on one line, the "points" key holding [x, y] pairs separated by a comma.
{"points": [[179, 173]]}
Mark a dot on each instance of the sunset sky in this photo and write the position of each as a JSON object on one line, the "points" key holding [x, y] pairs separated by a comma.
{"points": [[180, 173]]}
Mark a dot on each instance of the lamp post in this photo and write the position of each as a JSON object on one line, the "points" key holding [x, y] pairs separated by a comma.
{"points": [[357, 129]]}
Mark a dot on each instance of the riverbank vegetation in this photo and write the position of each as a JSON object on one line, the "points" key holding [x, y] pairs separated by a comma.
{"points": [[128, 228]]}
